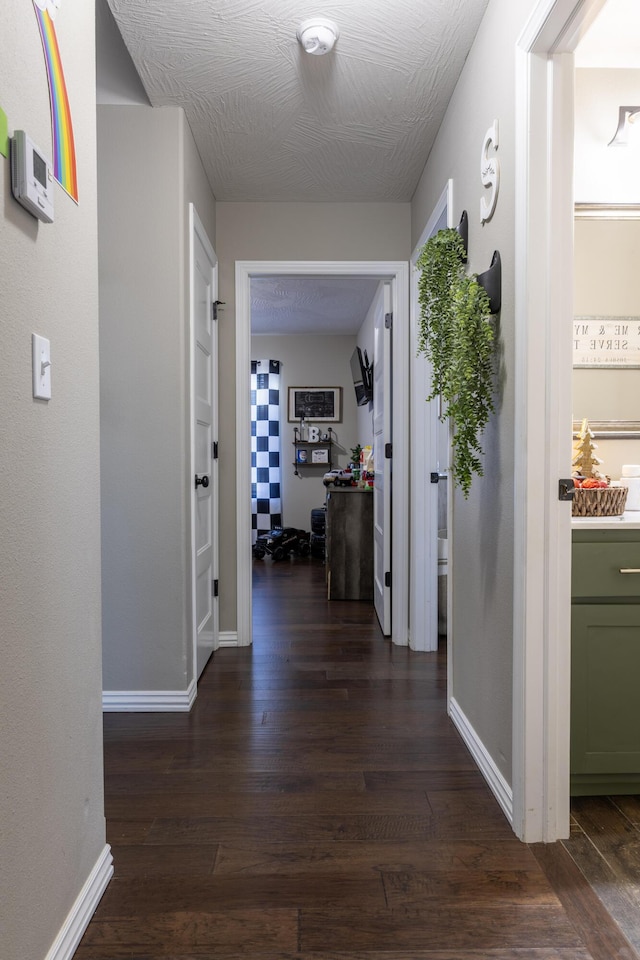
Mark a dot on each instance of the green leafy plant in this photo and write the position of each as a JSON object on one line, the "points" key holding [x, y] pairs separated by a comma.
{"points": [[355, 454], [457, 336]]}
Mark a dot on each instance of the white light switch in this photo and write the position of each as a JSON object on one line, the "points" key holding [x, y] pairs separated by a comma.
{"points": [[41, 359]]}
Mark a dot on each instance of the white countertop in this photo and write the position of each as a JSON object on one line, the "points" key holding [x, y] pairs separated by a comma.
{"points": [[628, 521]]}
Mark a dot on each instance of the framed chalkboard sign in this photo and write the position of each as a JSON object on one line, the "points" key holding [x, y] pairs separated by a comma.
{"points": [[315, 404]]}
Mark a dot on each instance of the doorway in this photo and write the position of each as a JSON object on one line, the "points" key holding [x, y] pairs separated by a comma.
{"points": [[397, 275]]}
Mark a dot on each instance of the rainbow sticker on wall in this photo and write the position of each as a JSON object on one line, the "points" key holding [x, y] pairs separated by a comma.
{"points": [[64, 150]]}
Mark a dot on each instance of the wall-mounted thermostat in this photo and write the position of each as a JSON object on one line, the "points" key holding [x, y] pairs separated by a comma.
{"points": [[31, 179]]}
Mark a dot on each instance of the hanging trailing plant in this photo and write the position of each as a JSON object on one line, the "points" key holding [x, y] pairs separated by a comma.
{"points": [[457, 336]]}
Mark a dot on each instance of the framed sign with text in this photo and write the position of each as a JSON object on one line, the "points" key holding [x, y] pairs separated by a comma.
{"points": [[606, 341]]}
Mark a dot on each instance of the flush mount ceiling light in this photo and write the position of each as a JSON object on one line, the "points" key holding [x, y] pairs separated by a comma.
{"points": [[317, 35], [626, 115]]}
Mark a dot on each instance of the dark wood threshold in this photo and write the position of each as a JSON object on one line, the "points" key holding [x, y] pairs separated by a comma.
{"points": [[605, 846], [584, 908]]}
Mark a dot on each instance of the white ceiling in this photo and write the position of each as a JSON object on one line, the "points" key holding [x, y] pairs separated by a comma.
{"points": [[274, 123], [319, 305]]}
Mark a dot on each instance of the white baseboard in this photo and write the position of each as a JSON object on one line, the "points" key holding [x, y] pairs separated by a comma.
{"points": [[498, 785], [72, 930], [228, 638], [149, 701]]}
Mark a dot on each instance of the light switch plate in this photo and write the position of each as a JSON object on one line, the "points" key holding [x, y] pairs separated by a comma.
{"points": [[41, 361]]}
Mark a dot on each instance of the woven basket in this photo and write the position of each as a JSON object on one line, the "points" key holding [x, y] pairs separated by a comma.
{"points": [[599, 502]]}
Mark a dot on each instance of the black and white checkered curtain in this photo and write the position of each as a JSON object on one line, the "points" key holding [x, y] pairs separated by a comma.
{"points": [[266, 503]]}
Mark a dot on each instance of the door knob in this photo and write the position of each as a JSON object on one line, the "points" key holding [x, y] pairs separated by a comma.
{"points": [[202, 481]]}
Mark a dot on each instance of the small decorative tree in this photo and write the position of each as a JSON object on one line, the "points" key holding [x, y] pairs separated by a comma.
{"points": [[585, 462]]}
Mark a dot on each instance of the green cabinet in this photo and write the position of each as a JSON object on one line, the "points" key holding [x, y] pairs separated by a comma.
{"points": [[605, 662]]}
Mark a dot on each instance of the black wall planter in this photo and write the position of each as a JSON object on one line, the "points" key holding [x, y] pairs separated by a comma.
{"points": [[491, 282], [463, 230]]}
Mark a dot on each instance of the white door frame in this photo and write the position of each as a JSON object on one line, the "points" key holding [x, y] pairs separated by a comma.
{"points": [[196, 229], [423, 617], [382, 434], [398, 271], [543, 310]]}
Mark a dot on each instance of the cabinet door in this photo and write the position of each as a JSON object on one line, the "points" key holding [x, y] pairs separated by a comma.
{"points": [[605, 689], [349, 545]]}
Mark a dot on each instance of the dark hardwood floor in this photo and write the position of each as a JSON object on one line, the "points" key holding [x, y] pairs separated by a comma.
{"points": [[318, 804], [605, 844]]}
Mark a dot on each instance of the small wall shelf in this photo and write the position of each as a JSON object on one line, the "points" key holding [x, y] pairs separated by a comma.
{"points": [[308, 453]]}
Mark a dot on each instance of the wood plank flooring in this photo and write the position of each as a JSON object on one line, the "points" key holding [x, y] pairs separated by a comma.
{"points": [[318, 804], [605, 845]]}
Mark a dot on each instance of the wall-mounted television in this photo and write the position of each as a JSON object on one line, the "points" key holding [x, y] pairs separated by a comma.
{"points": [[362, 373]]}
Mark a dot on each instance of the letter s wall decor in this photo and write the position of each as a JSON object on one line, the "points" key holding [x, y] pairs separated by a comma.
{"points": [[489, 173]]}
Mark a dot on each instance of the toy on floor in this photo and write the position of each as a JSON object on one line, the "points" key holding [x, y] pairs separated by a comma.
{"points": [[281, 542]]}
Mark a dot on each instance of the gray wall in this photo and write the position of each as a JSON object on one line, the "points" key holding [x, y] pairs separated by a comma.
{"points": [[144, 344], [606, 258], [309, 360], [117, 79], [278, 231], [51, 801], [483, 525]]}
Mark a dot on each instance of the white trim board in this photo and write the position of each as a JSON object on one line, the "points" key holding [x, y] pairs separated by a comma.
{"points": [[497, 783], [228, 638], [543, 310], [398, 272], [149, 701], [77, 921]]}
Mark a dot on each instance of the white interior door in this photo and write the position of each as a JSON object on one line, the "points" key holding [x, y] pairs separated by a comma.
{"points": [[429, 459], [382, 460], [204, 475]]}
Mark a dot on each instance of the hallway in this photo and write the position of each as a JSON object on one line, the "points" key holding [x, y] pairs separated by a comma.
{"points": [[318, 803]]}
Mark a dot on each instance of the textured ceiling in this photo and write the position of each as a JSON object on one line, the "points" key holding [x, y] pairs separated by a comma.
{"points": [[274, 123], [319, 305]]}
